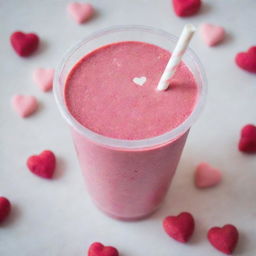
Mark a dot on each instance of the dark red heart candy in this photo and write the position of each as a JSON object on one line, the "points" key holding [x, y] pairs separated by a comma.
{"points": [[247, 142], [24, 44], [247, 60], [42, 165], [224, 239], [98, 249], [185, 8], [5, 208], [179, 227]]}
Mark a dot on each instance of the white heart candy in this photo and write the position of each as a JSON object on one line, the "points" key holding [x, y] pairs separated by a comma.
{"points": [[140, 80]]}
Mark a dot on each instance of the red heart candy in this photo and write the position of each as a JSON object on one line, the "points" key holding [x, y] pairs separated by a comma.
{"points": [[224, 239], [179, 227], [247, 60], [24, 44], [42, 165], [98, 249], [5, 208], [185, 8], [247, 143]]}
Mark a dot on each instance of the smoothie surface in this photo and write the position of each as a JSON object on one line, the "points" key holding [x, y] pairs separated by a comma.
{"points": [[101, 95]]}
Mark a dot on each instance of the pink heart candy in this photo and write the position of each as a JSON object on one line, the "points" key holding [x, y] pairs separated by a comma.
{"points": [[80, 12], [207, 176], [44, 78], [212, 34], [24, 105]]}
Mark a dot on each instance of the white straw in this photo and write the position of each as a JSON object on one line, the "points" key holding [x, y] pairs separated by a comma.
{"points": [[176, 57]]}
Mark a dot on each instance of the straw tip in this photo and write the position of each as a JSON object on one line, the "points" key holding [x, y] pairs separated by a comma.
{"points": [[162, 86], [190, 27]]}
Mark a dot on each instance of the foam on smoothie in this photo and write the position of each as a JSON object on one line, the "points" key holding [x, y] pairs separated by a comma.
{"points": [[101, 94]]}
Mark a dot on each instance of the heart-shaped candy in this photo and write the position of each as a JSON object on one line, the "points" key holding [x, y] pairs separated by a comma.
{"points": [[24, 44], [139, 80], [185, 8], [224, 239], [44, 78], [80, 12], [42, 165], [247, 60], [179, 227], [24, 105], [5, 208], [207, 176], [98, 249], [212, 34], [247, 143]]}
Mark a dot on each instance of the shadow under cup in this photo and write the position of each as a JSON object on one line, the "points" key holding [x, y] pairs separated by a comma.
{"points": [[127, 179]]}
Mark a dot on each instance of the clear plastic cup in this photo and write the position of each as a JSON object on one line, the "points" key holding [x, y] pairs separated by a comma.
{"points": [[127, 179]]}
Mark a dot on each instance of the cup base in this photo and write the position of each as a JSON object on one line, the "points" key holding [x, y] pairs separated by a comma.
{"points": [[134, 218]]}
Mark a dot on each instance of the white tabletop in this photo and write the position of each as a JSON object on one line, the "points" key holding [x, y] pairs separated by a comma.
{"points": [[51, 218]]}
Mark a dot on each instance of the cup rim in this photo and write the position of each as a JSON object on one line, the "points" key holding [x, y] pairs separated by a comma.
{"points": [[122, 143]]}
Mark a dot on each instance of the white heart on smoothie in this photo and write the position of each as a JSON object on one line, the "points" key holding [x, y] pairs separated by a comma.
{"points": [[139, 80]]}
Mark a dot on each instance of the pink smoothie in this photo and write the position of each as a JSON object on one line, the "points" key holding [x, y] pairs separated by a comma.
{"points": [[101, 94]]}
